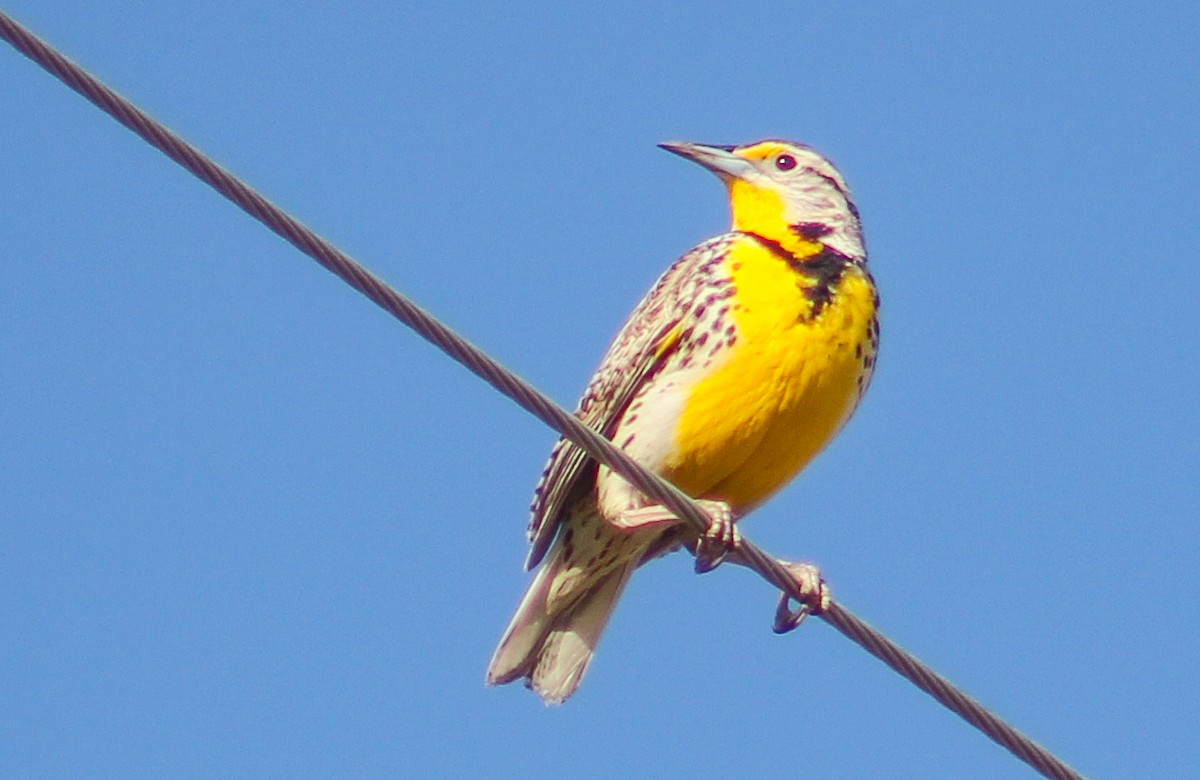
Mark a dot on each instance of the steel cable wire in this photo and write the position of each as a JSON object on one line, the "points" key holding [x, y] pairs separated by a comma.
{"points": [[512, 386]]}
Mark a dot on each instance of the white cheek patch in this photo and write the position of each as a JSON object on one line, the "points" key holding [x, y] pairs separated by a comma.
{"points": [[818, 200]]}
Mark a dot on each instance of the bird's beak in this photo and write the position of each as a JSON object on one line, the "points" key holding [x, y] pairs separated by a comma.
{"points": [[719, 159]]}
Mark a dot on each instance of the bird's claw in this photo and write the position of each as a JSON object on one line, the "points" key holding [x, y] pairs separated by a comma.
{"points": [[815, 595], [719, 540]]}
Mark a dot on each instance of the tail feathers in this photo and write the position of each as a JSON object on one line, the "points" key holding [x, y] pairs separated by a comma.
{"points": [[525, 635], [568, 649], [554, 650]]}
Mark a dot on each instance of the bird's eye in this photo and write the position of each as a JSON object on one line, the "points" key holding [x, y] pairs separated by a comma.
{"points": [[785, 162]]}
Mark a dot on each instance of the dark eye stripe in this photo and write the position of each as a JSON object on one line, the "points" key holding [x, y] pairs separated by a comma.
{"points": [[829, 179], [849, 203]]}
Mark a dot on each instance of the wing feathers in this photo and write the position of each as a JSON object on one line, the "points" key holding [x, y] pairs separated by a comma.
{"points": [[651, 335]]}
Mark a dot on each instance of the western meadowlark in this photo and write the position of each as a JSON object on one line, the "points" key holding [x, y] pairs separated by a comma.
{"points": [[739, 366]]}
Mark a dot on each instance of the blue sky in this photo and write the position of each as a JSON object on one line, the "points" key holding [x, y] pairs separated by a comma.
{"points": [[252, 527]]}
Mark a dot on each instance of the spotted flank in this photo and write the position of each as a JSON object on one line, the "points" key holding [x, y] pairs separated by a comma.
{"points": [[738, 367]]}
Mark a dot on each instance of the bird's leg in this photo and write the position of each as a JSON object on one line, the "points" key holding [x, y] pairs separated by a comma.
{"points": [[809, 582], [710, 549], [654, 515]]}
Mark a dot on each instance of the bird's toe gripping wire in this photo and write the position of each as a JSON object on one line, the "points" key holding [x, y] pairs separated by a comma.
{"points": [[812, 588], [719, 540]]}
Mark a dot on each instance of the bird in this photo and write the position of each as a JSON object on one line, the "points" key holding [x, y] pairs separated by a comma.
{"points": [[740, 365]]}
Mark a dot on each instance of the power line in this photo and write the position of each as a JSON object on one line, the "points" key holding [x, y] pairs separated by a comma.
{"points": [[524, 394]]}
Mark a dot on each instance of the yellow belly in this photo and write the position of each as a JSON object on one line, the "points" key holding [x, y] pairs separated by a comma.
{"points": [[787, 387]]}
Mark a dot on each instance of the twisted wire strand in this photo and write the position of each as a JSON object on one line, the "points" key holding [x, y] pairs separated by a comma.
{"points": [[521, 392]]}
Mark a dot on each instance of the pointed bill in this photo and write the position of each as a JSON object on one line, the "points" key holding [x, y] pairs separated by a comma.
{"points": [[719, 159]]}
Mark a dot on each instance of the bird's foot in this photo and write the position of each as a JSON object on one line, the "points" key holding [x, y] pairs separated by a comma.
{"points": [[710, 548], [719, 540], [813, 590]]}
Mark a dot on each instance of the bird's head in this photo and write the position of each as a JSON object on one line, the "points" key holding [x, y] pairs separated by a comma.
{"points": [[784, 192]]}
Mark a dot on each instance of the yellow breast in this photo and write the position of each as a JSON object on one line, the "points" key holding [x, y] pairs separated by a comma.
{"points": [[799, 364]]}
